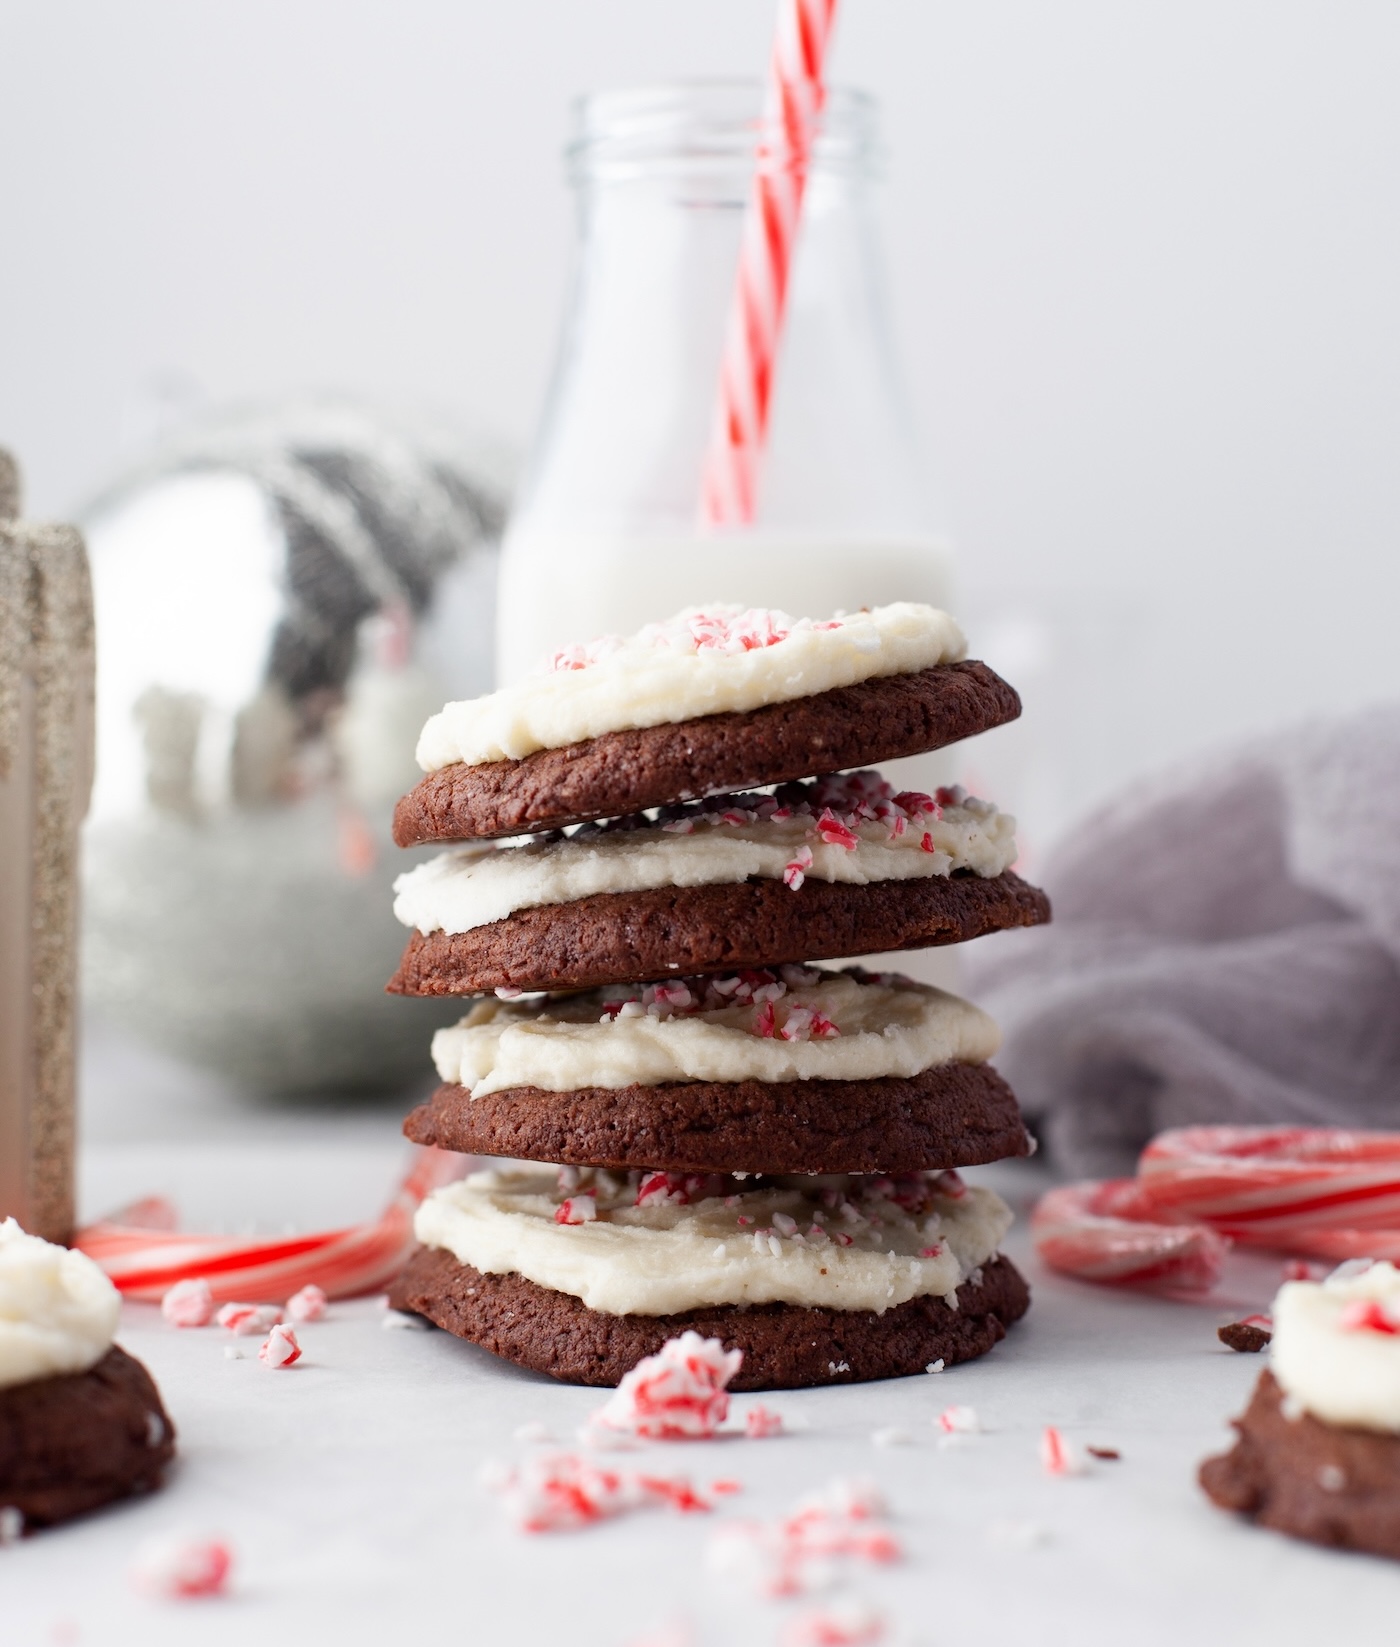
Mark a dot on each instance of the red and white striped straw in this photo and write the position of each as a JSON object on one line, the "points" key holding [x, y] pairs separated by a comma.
{"points": [[795, 95]]}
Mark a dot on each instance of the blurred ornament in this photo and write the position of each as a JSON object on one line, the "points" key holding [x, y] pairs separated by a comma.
{"points": [[282, 599]]}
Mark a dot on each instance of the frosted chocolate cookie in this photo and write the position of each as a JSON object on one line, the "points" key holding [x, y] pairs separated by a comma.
{"points": [[81, 1422], [706, 703], [958, 1115], [818, 1281], [839, 866], [793, 1069], [1318, 1454]]}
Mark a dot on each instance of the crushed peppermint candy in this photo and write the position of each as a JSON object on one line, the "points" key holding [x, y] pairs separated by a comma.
{"points": [[182, 1569], [560, 1492], [726, 629], [189, 1303], [846, 1623], [246, 1320], [578, 1209], [760, 1423], [764, 988], [845, 810], [676, 1189], [1370, 1315], [307, 1305], [1297, 1269], [799, 1552], [1060, 1456], [280, 1349], [959, 1421], [677, 1394]]}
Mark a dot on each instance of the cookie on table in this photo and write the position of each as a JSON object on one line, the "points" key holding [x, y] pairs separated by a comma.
{"points": [[81, 1421], [704, 704], [1318, 1454], [836, 1279], [814, 871], [787, 1070]]}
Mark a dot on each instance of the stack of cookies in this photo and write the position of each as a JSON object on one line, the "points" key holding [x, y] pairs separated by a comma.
{"points": [[698, 1127]]}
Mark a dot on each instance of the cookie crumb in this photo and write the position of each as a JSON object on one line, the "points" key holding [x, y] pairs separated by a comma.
{"points": [[1244, 1336], [1111, 1453]]}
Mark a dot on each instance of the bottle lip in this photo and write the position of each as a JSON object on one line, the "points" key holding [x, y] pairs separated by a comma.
{"points": [[712, 127]]}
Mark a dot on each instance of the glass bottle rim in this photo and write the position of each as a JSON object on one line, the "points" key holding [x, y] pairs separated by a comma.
{"points": [[710, 127]]}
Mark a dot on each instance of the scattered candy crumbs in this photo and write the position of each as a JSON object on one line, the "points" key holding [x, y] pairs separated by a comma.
{"points": [[844, 1624], [959, 1421], [182, 1569], [534, 1431], [676, 1394], [795, 1555], [244, 1320], [558, 1492], [891, 1436], [760, 1422], [935, 1366], [232, 1352], [1059, 1456], [189, 1303], [1250, 1335], [307, 1305], [280, 1348]]}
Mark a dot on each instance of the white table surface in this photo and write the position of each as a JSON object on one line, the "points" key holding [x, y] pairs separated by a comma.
{"points": [[348, 1487]]}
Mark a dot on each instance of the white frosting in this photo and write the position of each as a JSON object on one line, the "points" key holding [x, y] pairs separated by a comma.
{"points": [[657, 1259], [893, 1027], [58, 1311], [1328, 1360], [694, 664], [459, 890]]}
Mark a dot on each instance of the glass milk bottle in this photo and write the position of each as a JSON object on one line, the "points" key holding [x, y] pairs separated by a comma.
{"points": [[607, 532], [606, 535]]}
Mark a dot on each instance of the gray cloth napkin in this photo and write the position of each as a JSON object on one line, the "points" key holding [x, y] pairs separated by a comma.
{"points": [[1225, 948]]}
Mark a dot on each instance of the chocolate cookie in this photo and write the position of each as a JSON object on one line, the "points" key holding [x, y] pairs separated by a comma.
{"points": [[622, 772], [72, 1443], [634, 937], [785, 1346], [956, 1115], [1316, 1481]]}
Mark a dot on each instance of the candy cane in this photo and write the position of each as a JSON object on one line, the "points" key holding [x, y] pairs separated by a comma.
{"points": [[145, 1261], [1315, 1190], [796, 93], [1103, 1232], [1321, 1191]]}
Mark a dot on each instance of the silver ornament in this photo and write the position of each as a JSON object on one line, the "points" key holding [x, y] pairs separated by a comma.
{"points": [[282, 599]]}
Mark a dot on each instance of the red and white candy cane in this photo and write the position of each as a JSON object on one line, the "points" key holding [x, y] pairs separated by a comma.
{"points": [[146, 1261], [795, 95], [1314, 1190], [1104, 1232], [1320, 1191]]}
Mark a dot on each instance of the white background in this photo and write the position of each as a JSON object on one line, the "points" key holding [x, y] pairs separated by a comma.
{"points": [[1145, 261]]}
